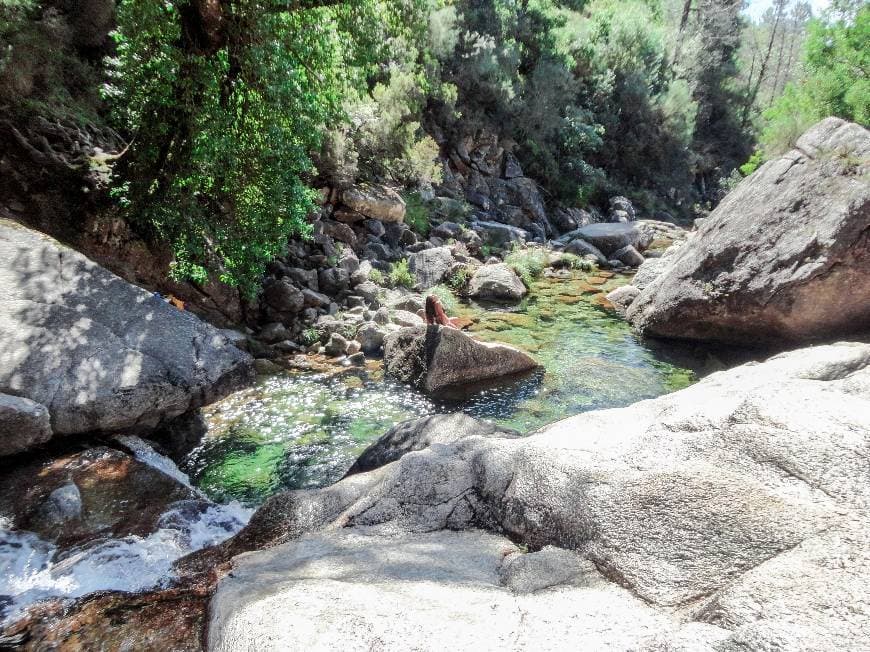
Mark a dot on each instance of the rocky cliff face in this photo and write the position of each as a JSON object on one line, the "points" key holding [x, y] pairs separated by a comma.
{"points": [[784, 258], [99, 354], [730, 515]]}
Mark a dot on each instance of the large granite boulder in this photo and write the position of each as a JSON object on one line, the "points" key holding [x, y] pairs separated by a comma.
{"points": [[496, 283], [609, 237], [731, 515], [438, 359], [375, 202], [100, 354], [783, 258]]}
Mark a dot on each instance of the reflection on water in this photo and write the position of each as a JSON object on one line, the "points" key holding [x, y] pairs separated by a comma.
{"points": [[305, 430]]}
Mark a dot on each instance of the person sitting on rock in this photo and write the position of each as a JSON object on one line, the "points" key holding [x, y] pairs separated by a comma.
{"points": [[435, 314]]}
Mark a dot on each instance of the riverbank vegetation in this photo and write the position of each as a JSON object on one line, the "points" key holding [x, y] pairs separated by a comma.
{"points": [[225, 117]]}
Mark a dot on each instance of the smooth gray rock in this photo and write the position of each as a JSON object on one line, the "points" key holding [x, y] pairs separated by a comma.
{"points": [[368, 590], [629, 256], [62, 505], [23, 424], [404, 318], [579, 247], [99, 353], [783, 258], [609, 237], [336, 345], [436, 359], [493, 233], [622, 297], [368, 291], [417, 434], [496, 283], [648, 272], [430, 265], [371, 337], [730, 515]]}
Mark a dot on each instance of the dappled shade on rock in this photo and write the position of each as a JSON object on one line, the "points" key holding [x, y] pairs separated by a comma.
{"points": [[99, 353]]}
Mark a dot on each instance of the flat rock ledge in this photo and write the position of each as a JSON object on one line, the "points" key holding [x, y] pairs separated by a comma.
{"points": [[98, 354], [732, 515]]}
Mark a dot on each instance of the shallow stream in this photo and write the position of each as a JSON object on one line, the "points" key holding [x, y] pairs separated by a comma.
{"points": [[300, 430]]}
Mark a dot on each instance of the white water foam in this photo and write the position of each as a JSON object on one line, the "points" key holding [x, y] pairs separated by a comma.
{"points": [[32, 569]]}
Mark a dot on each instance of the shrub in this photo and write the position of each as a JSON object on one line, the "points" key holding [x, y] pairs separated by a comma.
{"points": [[417, 214], [529, 264], [400, 275], [576, 262], [310, 335], [377, 276], [459, 279]]}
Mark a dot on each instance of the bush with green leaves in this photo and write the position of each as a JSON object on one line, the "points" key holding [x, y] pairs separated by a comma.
{"points": [[445, 295], [528, 263], [377, 276], [417, 214], [224, 104], [400, 275], [836, 79]]}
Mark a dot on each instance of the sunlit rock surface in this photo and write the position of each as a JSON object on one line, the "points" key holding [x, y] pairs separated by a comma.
{"points": [[98, 353], [783, 258], [713, 516]]}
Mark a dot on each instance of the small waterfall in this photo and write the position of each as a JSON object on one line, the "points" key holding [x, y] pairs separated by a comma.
{"points": [[32, 569]]}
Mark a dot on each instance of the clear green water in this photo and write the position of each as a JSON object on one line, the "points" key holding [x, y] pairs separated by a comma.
{"points": [[299, 430]]}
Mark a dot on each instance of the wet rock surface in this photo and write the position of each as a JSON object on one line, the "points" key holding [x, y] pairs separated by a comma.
{"points": [[79, 497]]}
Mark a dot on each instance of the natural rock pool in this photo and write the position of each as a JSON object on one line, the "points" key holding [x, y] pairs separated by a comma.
{"points": [[300, 430]]}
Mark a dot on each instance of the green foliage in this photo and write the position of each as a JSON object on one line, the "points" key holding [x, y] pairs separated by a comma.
{"points": [[835, 80], [310, 336], [377, 276], [40, 72], [459, 279], [400, 275], [417, 214], [225, 123], [445, 295], [752, 164], [528, 263], [573, 261]]}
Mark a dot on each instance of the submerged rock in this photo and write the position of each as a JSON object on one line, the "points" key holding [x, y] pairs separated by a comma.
{"points": [[76, 498], [98, 353], [435, 359], [783, 258], [723, 516]]}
